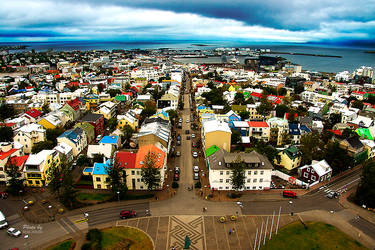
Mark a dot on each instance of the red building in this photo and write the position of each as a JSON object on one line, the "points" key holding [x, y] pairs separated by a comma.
{"points": [[97, 120]]}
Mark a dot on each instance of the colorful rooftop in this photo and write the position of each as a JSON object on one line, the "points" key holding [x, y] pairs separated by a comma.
{"points": [[211, 150]]}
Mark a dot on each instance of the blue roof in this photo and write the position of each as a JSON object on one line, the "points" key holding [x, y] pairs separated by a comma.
{"points": [[109, 139], [72, 134], [294, 130], [101, 168], [305, 128], [88, 170], [201, 107]]}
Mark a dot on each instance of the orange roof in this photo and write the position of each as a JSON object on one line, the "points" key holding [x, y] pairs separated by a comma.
{"points": [[258, 124], [143, 151], [19, 161]]}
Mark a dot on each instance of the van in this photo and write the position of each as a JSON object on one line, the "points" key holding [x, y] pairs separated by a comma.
{"points": [[3, 222], [290, 194]]}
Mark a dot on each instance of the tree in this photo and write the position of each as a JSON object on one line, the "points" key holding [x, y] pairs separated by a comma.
{"points": [[366, 189], [239, 98], [68, 193], [172, 114], [262, 148], [45, 108], [337, 158], [244, 115], [6, 111], [237, 177], [69, 125], [15, 182], [309, 147], [334, 118], [97, 158], [39, 146], [347, 132], [265, 106], [235, 137], [117, 178], [52, 134], [82, 160], [298, 89], [114, 92], [357, 104], [128, 132], [150, 173], [55, 178], [281, 110], [6, 134], [110, 123], [149, 110]]}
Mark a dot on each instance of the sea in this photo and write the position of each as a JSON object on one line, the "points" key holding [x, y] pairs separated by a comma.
{"points": [[351, 57]]}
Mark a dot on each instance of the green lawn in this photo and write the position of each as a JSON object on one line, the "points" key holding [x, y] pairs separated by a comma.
{"points": [[125, 238], [65, 245], [318, 235], [94, 196]]}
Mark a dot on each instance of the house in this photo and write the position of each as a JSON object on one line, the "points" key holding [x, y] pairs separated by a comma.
{"points": [[354, 148], [66, 152], [259, 130], [96, 120], [315, 172], [51, 121], [279, 129], [168, 100], [112, 140], [88, 128], [216, 133], [107, 109], [232, 117], [296, 131], [72, 109], [290, 158], [37, 167], [76, 138], [32, 116], [30, 134], [7, 151], [370, 146], [151, 133], [127, 119], [361, 122], [100, 176], [102, 149], [258, 170]]}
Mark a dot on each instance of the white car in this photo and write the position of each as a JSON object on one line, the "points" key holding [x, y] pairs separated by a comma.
{"points": [[187, 121], [195, 154], [196, 169], [14, 232], [192, 135]]}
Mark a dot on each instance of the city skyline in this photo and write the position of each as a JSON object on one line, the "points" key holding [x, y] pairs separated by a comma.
{"points": [[345, 22]]}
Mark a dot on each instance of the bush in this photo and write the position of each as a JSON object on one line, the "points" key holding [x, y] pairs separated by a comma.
{"points": [[86, 246], [233, 195], [94, 235], [175, 184], [198, 184]]}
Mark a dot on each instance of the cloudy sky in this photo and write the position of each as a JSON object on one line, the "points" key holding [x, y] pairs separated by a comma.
{"points": [[238, 20]]}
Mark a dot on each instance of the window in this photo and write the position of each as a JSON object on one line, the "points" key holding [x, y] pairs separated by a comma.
{"points": [[312, 171], [221, 172], [227, 180], [255, 172], [37, 182], [248, 180], [30, 182], [247, 188], [261, 172], [255, 180], [254, 187], [261, 180], [226, 187], [308, 170], [260, 187], [99, 186], [221, 180], [306, 175], [98, 179], [313, 178], [220, 187], [133, 172], [249, 172], [138, 172], [1, 169], [227, 172], [106, 179], [138, 180]]}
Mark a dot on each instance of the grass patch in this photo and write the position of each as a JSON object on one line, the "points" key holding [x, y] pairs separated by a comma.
{"points": [[65, 245], [125, 238], [318, 235], [93, 196]]}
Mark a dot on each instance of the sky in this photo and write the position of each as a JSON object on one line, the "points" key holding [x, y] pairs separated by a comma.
{"points": [[295, 21]]}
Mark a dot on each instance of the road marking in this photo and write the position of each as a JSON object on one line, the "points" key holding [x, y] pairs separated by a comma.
{"points": [[347, 184], [81, 220]]}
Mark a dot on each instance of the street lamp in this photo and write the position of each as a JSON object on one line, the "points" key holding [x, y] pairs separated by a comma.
{"points": [[118, 195]]}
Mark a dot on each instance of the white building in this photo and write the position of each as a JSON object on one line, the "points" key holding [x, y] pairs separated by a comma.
{"points": [[258, 170]]}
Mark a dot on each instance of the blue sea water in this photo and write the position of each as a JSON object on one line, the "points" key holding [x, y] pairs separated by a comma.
{"points": [[351, 58]]}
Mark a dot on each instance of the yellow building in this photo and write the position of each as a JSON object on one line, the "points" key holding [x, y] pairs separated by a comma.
{"points": [[127, 119], [216, 133], [50, 122], [100, 176], [37, 167], [290, 158]]}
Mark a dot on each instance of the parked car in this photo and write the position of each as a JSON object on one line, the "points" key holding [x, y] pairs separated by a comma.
{"points": [[196, 169], [290, 194], [196, 176], [177, 170], [14, 232], [187, 137], [195, 154], [187, 120], [178, 153], [192, 135], [187, 132], [125, 214], [178, 143], [193, 144]]}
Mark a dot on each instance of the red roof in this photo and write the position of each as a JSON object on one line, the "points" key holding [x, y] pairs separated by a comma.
{"points": [[255, 94], [7, 124], [128, 93], [258, 124], [336, 132], [359, 92], [126, 159], [75, 104], [19, 161], [34, 113], [4, 155]]}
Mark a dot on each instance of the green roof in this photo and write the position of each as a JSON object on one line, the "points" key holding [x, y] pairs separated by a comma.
{"points": [[211, 150], [120, 98], [364, 132]]}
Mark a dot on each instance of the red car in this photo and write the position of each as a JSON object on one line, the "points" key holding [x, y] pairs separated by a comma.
{"points": [[290, 194], [176, 176], [125, 214]]}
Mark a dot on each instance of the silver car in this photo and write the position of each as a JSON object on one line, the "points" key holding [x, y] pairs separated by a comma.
{"points": [[14, 232]]}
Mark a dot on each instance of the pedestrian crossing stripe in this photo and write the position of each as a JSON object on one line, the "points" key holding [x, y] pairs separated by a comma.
{"points": [[81, 220]]}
